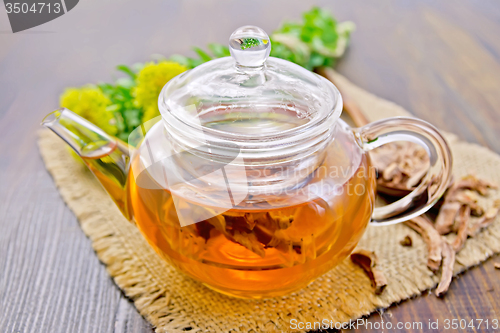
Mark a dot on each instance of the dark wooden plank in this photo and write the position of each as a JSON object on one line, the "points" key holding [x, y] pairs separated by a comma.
{"points": [[51, 278], [472, 296], [440, 60]]}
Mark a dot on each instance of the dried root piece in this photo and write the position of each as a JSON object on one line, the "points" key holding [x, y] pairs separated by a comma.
{"points": [[463, 219], [471, 182], [446, 217], [431, 236], [383, 157], [460, 202], [368, 261], [255, 231], [250, 242], [446, 270], [400, 165], [485, 220], [468, 198], [282, 220], [407, 241], [250, 220], [461, 193]]}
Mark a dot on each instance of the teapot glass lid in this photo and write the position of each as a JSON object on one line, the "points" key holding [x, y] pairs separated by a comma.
{"points": [[249, 95]]}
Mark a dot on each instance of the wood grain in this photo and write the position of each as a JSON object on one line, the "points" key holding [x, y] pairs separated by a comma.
{"points": [[439, 60]]}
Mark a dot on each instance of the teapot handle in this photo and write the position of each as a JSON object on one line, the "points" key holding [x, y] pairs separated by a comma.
{"points": [[424, 196]]}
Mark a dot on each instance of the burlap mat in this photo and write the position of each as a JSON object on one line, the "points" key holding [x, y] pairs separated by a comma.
{"points": [[173, 302]]}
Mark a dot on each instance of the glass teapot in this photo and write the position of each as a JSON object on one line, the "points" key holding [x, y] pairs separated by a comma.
{"points": [[249, 182]]}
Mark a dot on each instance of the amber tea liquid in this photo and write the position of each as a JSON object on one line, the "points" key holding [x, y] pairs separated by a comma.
{"points": [[261, 251]]}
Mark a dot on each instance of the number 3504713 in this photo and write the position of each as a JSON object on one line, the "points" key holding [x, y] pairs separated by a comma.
{"points": [[455, 324], [23, 7]]}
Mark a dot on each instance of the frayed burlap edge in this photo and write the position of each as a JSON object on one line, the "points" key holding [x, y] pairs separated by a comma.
{"points": [[173, 302]]}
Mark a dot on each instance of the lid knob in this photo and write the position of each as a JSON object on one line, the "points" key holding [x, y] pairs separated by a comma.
{"points": [[249, 46]]}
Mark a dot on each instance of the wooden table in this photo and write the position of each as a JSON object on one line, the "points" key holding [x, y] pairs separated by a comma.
{"points": [[440, 60]]}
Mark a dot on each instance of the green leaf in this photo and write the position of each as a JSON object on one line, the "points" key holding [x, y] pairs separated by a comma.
{"points": [[316, 60], [186, 61], [325, 39], [127, 70], [125, 82], [137, 67], [219, 50], [123, 136], [120, 123], [183, 60], [132, 118], [203, 55], [113, 108]]}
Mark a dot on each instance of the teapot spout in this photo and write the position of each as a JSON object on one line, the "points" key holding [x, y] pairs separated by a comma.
{"points": [[106, 156]]}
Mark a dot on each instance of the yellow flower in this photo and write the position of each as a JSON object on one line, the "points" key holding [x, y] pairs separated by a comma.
{"points": [[150, 80], [90, 103], [150, 113]]}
